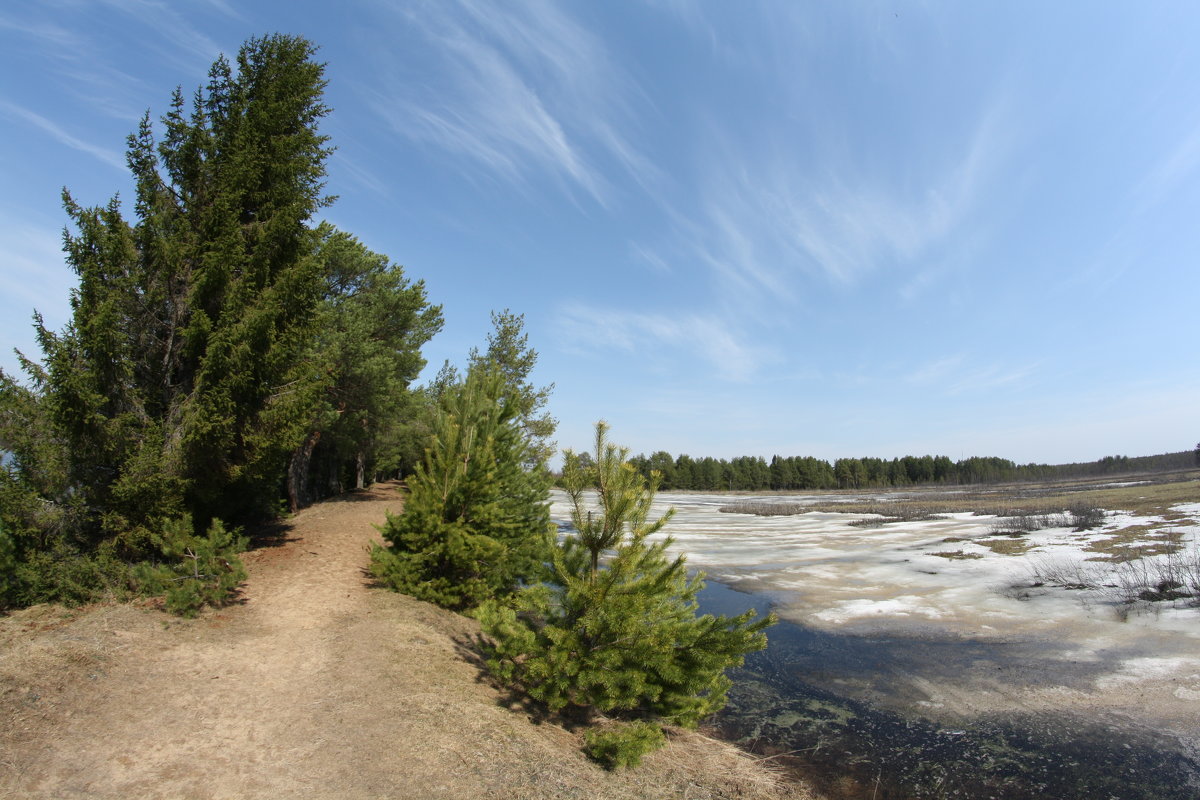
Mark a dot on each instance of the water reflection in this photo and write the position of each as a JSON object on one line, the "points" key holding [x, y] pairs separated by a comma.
{"points": [[826, 704]]}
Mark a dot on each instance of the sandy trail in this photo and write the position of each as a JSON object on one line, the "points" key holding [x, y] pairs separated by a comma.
{"points": [[314, 685], [239, 702]]}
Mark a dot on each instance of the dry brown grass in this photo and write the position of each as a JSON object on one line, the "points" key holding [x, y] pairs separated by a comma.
{"points": [[1005, 545], [955, 555], [1136, 541]]}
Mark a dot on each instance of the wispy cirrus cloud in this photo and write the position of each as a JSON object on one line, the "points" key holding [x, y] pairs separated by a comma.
{"points": [[708, 338], [342, 163], [1169, 172], [767, 220], [178, 39], [524, 91], [74, 57], [80, 54], [649, 256], [110, 157], [1123, 248], [959, 374], [48, 33]]}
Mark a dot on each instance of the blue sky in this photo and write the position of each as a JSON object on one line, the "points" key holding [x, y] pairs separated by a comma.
{"points": [[830, 229]]}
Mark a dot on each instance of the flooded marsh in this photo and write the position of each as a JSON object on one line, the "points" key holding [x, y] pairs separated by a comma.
{"points": [[940, 655]]}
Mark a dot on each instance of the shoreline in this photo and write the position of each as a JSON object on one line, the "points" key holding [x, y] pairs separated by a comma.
{"points": [[1009, 739]]}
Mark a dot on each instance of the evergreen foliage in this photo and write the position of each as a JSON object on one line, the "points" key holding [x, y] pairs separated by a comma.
{"points": [[8, 570], [623, 745], [212, 338], [476, 522], [201, 570], [175, 387], [509, 352], [619, 634], [371, 324]]}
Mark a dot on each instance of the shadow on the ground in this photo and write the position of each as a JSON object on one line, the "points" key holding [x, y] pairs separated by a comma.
{"points": [[271, 534], [368, 495], [473, 649]]}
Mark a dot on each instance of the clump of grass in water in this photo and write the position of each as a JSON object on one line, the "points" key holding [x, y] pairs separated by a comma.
{"points": [[1139, 581], [765, 509], [1079, 517], [955, 555], [1007, 546], [886, 511]]}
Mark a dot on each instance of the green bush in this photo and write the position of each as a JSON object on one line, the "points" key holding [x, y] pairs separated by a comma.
{"points": [[622, 745], [616, 627], [200, 570], [476, 522], [62, 575]]}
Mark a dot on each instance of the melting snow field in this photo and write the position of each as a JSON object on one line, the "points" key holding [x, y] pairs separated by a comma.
{"points": [[1050, 647]]}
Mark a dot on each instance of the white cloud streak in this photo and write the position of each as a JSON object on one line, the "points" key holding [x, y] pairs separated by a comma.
{"points": [[706, 337], [80, 57], [525, 91], [959, 374], [1174, 169], [762, 223], [187, 45], [110, 157]]}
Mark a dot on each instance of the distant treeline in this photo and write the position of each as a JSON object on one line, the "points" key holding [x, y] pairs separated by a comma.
{"points": [[752, 473]]}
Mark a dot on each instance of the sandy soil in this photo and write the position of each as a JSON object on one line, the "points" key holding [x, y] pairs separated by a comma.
{"points": [[313, 685]]}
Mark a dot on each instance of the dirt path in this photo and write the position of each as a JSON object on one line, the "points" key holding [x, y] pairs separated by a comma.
{"points": [[315, 685]]}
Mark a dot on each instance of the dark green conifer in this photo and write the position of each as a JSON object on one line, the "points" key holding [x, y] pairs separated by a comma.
{"points": [[476, 521], [509, 353], [616, 629], [177, 390], [371, 324]]}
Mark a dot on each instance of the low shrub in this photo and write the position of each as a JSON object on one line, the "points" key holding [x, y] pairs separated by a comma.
{"points": [[201, 570], [1085, 517], [1079, 517], [62, 575], [622, 745]]}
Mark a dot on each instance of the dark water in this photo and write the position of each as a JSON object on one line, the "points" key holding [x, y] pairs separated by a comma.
{"points": [[815, 700]]}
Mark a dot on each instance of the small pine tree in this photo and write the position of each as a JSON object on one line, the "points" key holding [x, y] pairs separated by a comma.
{"points": [[622, 635], [476, 522], [201, 570]]}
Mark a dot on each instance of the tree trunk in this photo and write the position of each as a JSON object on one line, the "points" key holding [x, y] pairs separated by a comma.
{"points": [[360, 470], [297, 483]]}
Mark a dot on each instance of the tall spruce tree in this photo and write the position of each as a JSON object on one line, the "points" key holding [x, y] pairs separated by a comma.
{"points": [[476, 522], [615, 628], [177, 391]]}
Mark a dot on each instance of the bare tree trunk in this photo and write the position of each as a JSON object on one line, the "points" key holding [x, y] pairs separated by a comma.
{"points": [[335, 477], [297, 483], [360, 469]]}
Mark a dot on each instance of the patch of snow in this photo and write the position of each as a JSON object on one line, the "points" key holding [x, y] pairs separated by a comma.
{"points": [[822, 571], [1136, 670]]}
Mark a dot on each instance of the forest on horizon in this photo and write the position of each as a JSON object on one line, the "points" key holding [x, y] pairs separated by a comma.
{"points": [[755, 473]]}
